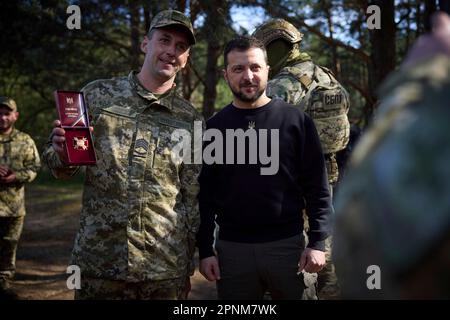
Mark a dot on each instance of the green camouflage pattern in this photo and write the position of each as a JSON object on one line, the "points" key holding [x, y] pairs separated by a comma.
{"points": [[277, 29], [105, 289], [173, 17], [393, 209], [323, 285], [140, 214], [7, 101], [327, 104], [18, 152], [10, 231], [328, 287]]}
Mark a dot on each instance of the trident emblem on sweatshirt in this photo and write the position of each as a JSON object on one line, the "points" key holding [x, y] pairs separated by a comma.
{"points": [[251, 124]]}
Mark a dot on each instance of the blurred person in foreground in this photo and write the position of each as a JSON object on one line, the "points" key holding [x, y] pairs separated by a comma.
{"points": [[392, 234]]}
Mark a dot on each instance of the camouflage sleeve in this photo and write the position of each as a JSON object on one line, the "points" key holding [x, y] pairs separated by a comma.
{"points": [[59, 169], [286, 88], [31, 163], [189, 190]]}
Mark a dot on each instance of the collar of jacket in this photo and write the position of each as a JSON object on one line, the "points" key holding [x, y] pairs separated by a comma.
{"points": [[8, 137], [161, 99], [294, 56]]}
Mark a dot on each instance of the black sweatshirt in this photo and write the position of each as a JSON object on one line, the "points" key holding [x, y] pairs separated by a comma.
{"points": [[252, 207]]}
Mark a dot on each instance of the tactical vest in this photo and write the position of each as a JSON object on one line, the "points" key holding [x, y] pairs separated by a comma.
{"points": [[327, 102]]}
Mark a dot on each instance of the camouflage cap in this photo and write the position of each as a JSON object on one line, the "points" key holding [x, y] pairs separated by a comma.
{"points": [[172, 17], [8, 102], [276, 29]]}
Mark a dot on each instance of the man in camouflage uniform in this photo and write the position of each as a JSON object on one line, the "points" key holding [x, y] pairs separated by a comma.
{"points": [[139, 216], [393, 210], [19, 164], [292, 74]]}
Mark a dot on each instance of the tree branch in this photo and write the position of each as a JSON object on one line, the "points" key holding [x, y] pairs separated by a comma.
{"points": [[196, 73], [361, 90], [33, 115]]}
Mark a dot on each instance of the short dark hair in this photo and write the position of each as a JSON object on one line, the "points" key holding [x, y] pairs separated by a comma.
{"points": [[243, 43]]}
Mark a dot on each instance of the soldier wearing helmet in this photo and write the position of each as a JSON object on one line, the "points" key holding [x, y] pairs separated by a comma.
{"points": [[282, 40], [278, 29], [296, 79]]}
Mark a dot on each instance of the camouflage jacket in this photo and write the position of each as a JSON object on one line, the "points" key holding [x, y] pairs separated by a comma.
{"points": [[140, 214], [393, 207], [286, 86], [19, 153], [289, 88]]}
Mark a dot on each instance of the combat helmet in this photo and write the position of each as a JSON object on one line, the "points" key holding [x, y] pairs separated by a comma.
{"points": [[276, 29]]}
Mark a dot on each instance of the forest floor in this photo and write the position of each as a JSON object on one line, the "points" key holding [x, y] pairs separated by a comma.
{"points": [[53, 210]]}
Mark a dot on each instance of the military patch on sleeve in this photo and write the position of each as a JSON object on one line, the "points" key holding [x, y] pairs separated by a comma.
{"points": [[141, 147]]}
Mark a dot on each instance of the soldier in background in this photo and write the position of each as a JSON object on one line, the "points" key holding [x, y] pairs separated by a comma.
{"points": [[297, 80], [392, 236], [140, 215], [19, 164]]}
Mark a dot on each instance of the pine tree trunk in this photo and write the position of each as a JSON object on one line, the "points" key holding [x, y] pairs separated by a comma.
{"points": [[134, 35], [383, 47], [216, 20]]}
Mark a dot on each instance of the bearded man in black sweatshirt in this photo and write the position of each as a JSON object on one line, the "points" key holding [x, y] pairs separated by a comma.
{"points": [[262, 165]]}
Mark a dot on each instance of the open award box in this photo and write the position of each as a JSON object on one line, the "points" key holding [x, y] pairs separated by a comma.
{"points": [[74, 119]]}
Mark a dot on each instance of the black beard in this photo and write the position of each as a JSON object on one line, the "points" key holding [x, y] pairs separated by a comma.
{"points": [[240, 96]]}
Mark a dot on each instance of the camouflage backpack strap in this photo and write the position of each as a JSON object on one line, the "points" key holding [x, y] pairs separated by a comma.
{"points": [[310, 84]]}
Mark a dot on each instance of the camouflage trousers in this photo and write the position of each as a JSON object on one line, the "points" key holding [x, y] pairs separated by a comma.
{"points": [[327, 281], [323, 285], [105, 289], [10, 231]]}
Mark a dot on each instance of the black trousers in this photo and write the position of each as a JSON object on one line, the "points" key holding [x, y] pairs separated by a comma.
{"points": [[248, 270]]}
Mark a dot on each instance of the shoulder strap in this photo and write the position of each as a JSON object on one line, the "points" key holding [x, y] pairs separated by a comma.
{"points": [[307, 96], [310, 84], [305, 80]]}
